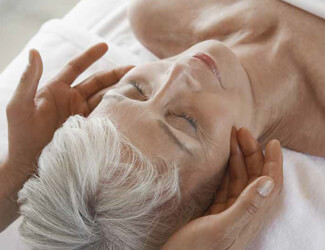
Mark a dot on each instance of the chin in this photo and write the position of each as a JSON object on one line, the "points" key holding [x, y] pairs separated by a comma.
{"points": [[153, 35], [138, 19]]}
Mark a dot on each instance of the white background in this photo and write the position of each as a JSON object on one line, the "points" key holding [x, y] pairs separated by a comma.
{"points": [[20, 19]]}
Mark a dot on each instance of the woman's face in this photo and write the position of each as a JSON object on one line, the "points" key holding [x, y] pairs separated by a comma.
{"points": [[183, 108]]}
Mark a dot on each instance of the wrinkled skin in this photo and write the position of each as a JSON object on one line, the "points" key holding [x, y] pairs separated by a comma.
{"points": [[182, 94], [268, 37]]}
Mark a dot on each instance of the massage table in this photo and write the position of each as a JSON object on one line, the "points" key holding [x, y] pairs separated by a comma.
{"points": [[297, 220]]}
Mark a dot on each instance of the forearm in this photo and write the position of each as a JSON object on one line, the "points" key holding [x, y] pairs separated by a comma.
{"points": [[11, 181]]}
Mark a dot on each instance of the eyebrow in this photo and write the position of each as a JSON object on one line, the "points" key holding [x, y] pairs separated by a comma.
{"points": [[173, 137]]}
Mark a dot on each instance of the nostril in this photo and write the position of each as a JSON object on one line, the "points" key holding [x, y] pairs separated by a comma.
{"points": [[177, 70]]}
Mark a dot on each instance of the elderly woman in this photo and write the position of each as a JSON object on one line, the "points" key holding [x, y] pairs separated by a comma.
{"points": [[94, 189], [150, 156]]}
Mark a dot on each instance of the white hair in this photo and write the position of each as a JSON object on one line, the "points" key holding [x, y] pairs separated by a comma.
{"points": [[95, 190]]}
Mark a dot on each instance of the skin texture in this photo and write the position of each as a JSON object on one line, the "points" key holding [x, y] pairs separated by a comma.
{"points": [[175, 88], [238, 208], [277, 44]]}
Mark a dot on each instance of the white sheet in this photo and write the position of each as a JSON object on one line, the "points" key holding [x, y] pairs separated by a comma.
{"points": [[316, 7], [297, 220], [107, 19]]}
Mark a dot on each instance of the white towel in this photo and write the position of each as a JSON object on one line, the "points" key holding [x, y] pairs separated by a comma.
{"points": [[297, 220], [316, 7]]}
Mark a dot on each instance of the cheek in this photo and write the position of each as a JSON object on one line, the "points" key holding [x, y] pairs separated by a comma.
{"points": [[216, 144], [202, 174], [219, 116], [216, 151]]}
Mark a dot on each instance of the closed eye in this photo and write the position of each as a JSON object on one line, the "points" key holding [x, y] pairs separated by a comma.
{"points": [[187, 117], [138, 88], [190, 120]]}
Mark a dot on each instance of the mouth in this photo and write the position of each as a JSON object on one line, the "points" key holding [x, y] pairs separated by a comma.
{"points": [[207, 60]]}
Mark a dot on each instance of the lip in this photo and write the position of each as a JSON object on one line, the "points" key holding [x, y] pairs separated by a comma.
{"points": [[209, 62]]}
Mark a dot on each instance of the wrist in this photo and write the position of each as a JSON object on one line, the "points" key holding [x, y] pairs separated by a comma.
{"points": [[16, 173], [11, 182]]}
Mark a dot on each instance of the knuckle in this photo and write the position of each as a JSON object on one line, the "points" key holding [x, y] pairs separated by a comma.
{"points": [[98, 81], [251, 206], [115, 74], [10, 111], [24, 76], [9, 108], [75, 68]]}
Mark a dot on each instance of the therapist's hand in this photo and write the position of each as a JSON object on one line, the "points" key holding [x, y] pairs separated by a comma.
{"points": [[250, 187], [33, 116]]}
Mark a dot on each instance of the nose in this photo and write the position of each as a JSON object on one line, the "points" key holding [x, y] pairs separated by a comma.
{"points": [[177, 73]]}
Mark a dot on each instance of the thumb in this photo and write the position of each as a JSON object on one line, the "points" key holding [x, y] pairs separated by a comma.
{"points": [[251, 201], [29, 81]]}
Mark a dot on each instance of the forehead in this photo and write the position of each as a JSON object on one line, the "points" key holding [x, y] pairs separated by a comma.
{"points": [[140, 126]]}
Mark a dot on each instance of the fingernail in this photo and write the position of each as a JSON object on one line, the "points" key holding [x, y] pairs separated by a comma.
{"points": [[275, 142], [265, 187], [31, 56]]}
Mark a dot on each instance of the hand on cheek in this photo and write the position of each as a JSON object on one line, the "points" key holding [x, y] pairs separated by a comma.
{"points": [[250, 186]]}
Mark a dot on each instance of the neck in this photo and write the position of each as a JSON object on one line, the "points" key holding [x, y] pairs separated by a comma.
{"points": [[278, 45], [284, 78]]}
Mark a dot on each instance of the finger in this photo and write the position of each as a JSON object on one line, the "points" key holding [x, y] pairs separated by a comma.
{"points": [[29, 81], [274, 163], [101, 80], [96, 99], [220, 199], [252, 201], [253, 154], [222, 193], [78, 65], [237, 170]]}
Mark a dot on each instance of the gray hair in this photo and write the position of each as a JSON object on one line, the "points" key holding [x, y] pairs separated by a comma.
{"points": [[95, 190]]}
